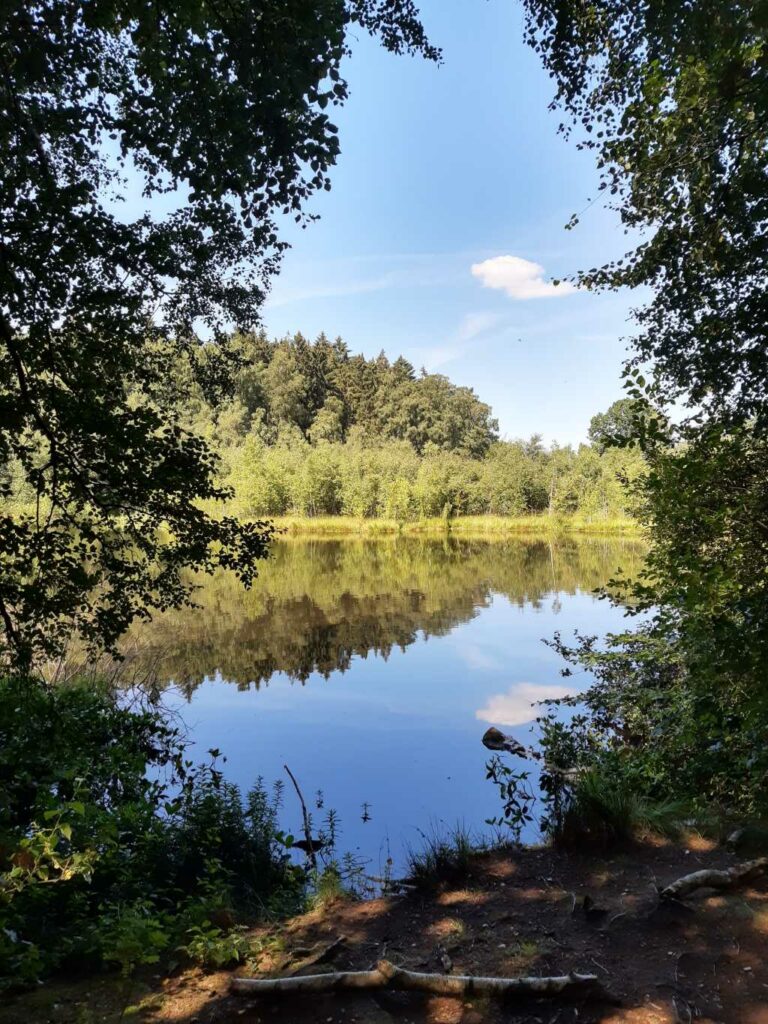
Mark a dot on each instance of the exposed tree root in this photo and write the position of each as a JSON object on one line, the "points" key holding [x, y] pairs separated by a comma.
{"points": [[386, 975], [710, 879]]}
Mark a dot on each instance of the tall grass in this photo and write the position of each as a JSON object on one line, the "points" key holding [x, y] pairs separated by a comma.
{"points": [[468, 526], [604, 811], [443, 857]]}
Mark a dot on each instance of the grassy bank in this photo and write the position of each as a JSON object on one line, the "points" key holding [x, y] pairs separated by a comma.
{"points": [[465, 526]]}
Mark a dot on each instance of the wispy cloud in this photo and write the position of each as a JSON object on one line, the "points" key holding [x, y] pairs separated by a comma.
{"points": [[349, 276], [519, 278], [476, 657], [287, 296], [472, 327], [515, 706], [475, 324], [434, 357]]}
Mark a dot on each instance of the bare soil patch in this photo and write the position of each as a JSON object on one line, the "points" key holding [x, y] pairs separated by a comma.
{"points": [[532, 912]]}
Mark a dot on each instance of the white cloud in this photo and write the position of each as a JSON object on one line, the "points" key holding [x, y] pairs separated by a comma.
{"points": [[519, 278], [514, 707]]}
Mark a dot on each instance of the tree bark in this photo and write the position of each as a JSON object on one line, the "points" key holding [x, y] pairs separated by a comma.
{"points": [[387, 975], [711, 879]]}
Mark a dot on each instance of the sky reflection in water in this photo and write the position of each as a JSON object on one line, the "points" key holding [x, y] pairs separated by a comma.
{"points": [[374, 667]]}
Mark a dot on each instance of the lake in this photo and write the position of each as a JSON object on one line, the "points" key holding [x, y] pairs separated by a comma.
{"points": [[373, 668]]}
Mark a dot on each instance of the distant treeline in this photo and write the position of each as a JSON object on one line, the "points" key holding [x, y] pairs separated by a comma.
{"points": [[314, 430]]}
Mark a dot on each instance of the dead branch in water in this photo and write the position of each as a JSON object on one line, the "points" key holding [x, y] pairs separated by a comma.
{"points": [[310, 851], [711, 879], [387, 975]]}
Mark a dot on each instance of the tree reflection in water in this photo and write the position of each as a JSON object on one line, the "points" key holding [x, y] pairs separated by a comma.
{"points": [[319, 603]]}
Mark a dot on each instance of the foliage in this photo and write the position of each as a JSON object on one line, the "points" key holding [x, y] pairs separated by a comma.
{"points": [[213, 948], [447, 463], [132, 934], [672, 98], [516, 796], [112, 843], [219, 120], [403, 446], [660, 723], [617, 425]]}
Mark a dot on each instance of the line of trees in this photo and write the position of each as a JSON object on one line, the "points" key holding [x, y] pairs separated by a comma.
{"points": [[313, 430], [309, 429]]}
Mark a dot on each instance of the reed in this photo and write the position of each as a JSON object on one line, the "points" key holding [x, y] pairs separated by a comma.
{"points": [[476, 526]]}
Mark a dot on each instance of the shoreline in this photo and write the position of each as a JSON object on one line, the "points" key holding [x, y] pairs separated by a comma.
{"points": [[524, 912], [485, 526]]}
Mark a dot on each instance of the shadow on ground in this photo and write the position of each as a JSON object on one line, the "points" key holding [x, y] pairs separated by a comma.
{"points": [[517, 913]]}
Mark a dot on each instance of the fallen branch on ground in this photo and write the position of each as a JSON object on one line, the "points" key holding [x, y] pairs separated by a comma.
{"points": [[711, 879], [317, 955], [386, 975]]}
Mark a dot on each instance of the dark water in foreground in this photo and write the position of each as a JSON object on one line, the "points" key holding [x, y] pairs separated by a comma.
{"points": [[373, 667]]}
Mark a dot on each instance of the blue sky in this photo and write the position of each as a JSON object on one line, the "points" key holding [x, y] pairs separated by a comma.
{"points": [[448, 168]]}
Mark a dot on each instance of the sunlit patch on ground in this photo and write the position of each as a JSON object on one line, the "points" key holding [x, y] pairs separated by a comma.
{"points": [[458, 896]]}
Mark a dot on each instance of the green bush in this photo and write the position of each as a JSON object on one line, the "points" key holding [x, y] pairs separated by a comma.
{"points": [[113, 844]]}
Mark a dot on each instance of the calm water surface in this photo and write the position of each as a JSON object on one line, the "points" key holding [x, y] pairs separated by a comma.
{"points": [[373, 667]]}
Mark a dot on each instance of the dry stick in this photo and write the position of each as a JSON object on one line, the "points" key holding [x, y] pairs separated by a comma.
{"points": [[307, 828], [386, 975], [391, 883], [711, 879], [318, 955]]}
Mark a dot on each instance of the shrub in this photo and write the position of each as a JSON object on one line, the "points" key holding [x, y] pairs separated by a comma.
{"points": [[113, 844]]}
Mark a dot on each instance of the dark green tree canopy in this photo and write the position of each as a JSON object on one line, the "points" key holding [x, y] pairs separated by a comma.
{"points": [[322, 390], [220, 113], [672, 97]]}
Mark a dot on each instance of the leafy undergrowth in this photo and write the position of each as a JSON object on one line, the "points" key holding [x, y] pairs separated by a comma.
{"points": [[521, 912]]}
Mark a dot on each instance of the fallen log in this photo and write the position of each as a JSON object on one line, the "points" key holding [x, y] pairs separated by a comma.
{"points": [[387, 975], [712, 879]]}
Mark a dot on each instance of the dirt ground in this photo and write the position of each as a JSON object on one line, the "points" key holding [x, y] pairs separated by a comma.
{"points": [[518, 913]]}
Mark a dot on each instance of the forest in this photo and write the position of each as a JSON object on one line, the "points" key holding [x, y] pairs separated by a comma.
{"points": [[150, 431], [311, 430], [315, 431]]}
